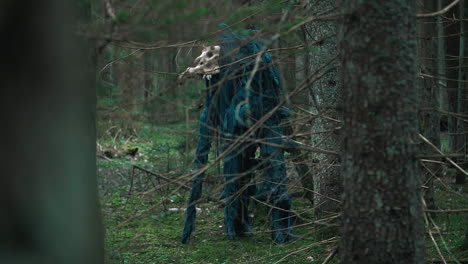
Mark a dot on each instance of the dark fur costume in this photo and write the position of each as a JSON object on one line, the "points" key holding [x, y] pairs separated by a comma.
{"points": [[235, 101]]}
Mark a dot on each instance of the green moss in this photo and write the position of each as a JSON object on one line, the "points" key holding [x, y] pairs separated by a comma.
{"points": [[156, 240], [452, 226]]}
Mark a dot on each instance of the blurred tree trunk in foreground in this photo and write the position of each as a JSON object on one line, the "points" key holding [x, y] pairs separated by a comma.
{"points": [[382, 214], [48, 198]]}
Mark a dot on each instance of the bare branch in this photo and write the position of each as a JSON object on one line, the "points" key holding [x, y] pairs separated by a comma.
{"points": [[441, 153], [447, 211], [110, 10], [440, 12]]}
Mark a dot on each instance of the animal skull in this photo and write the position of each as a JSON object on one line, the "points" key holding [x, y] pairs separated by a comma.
{"points": [[206, 64]]}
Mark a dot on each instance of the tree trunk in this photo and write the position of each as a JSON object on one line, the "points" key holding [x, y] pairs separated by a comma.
{"points": [[452, 43], [325, 97], [382, 214], [429, 117], [440, 65], [462, 93], [49, 203], [287, 65]]}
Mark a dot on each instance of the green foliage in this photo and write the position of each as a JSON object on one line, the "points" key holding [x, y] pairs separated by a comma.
{"points": [[107, 101], [452, 226], [444, 143], [84, 7], [122, 15], [275, 6], [240, 14], [155, 236], [293, 23], [189, 16], [140, 229]]}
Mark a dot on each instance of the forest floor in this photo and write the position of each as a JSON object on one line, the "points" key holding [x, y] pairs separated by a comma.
{"points": [[141, 227]]}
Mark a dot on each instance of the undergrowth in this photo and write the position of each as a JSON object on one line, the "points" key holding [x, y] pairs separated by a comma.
{"points": [[142, 225]]}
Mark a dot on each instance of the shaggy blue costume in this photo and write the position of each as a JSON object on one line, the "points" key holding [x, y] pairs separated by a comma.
{"points": [[236, 100]]}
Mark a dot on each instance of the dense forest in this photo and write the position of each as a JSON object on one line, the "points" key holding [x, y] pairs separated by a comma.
{"points": [[243, 131]]}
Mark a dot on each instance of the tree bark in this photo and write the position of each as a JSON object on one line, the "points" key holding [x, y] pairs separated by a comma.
{"points": [[325, 98], [382, 214]]}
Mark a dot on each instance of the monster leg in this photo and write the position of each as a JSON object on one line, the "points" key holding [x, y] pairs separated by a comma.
{"points": [[237, 190], [232, 207], [276, 180], [201, 159]]}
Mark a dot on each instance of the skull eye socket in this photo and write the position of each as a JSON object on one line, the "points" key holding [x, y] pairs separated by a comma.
{"points": [[209, 54]]}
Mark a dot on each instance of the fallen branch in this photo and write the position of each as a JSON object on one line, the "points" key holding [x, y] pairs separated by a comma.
{"points": [[454, 155], [426, 220], [446, 211]]}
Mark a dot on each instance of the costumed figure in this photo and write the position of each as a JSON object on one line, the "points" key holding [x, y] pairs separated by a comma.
{"points": [[243, 86]]}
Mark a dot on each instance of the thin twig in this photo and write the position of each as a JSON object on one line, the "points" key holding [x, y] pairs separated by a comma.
{"points": [[441, 153], [304, 248], [454, 155], [430, 234], [330, 257], [446, 211], [181, 185], [440, 12]]}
